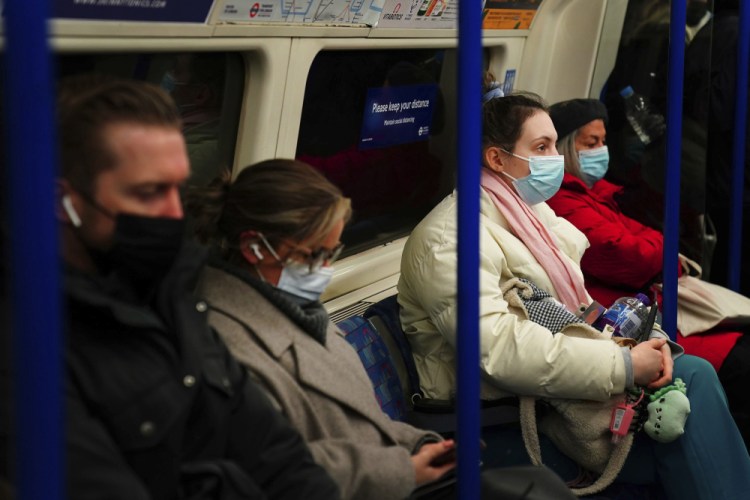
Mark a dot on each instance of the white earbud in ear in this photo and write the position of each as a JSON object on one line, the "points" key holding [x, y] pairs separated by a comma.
{"points": [[72, 215], [256, 250]]}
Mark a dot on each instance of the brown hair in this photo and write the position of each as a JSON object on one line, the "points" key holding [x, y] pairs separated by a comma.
{"points": [[87, 104], [503, 117], [281, 198]]}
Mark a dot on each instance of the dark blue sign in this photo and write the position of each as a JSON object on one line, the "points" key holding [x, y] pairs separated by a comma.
{"points": [[397, 115], [169, 11]]}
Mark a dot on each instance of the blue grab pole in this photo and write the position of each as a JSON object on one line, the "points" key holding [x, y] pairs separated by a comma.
{"points": [[738, 151], [469, 160], [674, 153], [34, 265]]}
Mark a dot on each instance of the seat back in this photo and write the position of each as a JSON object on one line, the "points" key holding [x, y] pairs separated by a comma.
{"points": [[437, 415], [378, 363], [384, 315]]}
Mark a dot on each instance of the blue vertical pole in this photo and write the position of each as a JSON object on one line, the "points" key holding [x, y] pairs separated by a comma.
{"points": [[674, 153], [469, 160], [34, 265], [738, 151]]}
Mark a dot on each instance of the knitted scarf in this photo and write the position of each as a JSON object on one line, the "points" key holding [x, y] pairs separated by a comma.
{"points": [[534, 234]]}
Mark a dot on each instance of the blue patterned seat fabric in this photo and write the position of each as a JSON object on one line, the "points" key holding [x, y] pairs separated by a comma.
{"points": [[376, 359]]}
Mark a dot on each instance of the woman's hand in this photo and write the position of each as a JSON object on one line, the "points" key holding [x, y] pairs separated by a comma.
{"points": [[666, 374], [649, 362], [433, 460]]}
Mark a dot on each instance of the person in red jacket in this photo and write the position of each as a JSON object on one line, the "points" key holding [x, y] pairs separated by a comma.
{"points": [[625, 256]]}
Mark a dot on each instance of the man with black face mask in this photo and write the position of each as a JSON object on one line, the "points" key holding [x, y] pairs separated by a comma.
{"points": [[156, 407]]}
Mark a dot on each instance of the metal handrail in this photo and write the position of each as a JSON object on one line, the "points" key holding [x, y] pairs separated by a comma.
{"points": [[738, 149], [34, 262], [674, 155], [469, 160]]}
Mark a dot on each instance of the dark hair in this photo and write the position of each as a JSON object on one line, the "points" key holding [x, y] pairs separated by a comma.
{"points": [[503, 117], [281, 198], [87, 104]]}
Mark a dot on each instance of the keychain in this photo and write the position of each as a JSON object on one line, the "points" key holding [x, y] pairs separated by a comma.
{"points": [[622, 417]]}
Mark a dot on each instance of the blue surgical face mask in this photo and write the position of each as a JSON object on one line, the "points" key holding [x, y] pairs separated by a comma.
{"points": [[300, 278], [297, 279], [594, 164], [544, 180]]}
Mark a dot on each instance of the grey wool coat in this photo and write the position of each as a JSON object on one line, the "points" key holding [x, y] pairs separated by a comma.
{"points": [[323, 389]]}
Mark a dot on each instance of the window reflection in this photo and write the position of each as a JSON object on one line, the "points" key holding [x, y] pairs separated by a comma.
{"points": [[206, 86], [391, 187], [642, 63]]}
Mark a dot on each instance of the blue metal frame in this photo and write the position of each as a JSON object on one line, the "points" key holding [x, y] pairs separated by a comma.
{"points": [[34, 261], [738, 151], [469, 161], [674, 153]]}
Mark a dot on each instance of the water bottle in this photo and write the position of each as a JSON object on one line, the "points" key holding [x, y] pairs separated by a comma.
{"points": [[627, 315], [639, 116]]}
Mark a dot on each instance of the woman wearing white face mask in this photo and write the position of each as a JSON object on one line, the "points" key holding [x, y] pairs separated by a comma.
{"points": [[276, 229], [520, 237], [625, 256]]}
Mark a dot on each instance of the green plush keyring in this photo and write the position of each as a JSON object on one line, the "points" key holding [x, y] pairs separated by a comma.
{"points": [[667, 412]]}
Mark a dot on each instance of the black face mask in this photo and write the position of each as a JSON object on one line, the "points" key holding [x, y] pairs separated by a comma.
{"points": [[144, 248]]}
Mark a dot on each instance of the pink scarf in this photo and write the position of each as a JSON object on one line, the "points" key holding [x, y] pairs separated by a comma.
{"points": [[534, 234]]}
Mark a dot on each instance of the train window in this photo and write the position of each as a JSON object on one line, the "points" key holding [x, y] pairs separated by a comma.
{"points": [[639, 163], [206, 86], [368, 122]]}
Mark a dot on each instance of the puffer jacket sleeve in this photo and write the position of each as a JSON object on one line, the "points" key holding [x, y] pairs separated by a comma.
{"points": [[623, 251], [519, 355]]}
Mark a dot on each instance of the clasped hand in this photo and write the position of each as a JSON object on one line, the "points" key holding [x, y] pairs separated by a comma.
{"points": [[652, 363]]}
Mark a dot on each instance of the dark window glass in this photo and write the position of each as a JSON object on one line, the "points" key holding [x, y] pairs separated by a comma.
{"points": [[392, 186], [207, 87], [642, 63]]}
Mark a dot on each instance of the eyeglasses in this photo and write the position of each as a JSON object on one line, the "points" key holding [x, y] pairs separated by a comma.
{"points": [[324, 256], [320, 257], [314, 259]]}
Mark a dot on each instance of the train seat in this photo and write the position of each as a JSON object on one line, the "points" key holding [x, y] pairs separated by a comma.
{"points": [[379, 364], [426, 413]]}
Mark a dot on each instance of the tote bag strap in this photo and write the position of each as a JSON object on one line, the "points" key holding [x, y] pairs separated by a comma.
{"points": [[689, 266]]}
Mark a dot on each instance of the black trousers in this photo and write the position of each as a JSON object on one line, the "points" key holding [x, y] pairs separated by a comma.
{"points": [[525, 482]]}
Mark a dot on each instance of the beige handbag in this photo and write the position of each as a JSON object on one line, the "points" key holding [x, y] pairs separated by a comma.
{"points": [[702, 305], [580, 429]]}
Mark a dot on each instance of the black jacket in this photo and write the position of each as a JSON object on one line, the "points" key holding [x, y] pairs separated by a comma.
{"points": [[157, 408]]}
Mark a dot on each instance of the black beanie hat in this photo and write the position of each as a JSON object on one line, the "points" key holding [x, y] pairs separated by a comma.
{"points": [[569, 116]]}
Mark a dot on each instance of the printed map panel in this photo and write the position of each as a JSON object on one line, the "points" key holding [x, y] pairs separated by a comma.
{"points": [[344, 12]]}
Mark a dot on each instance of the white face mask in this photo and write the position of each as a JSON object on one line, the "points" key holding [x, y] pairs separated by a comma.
{"points": [[297, 279], [544, 180]]}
